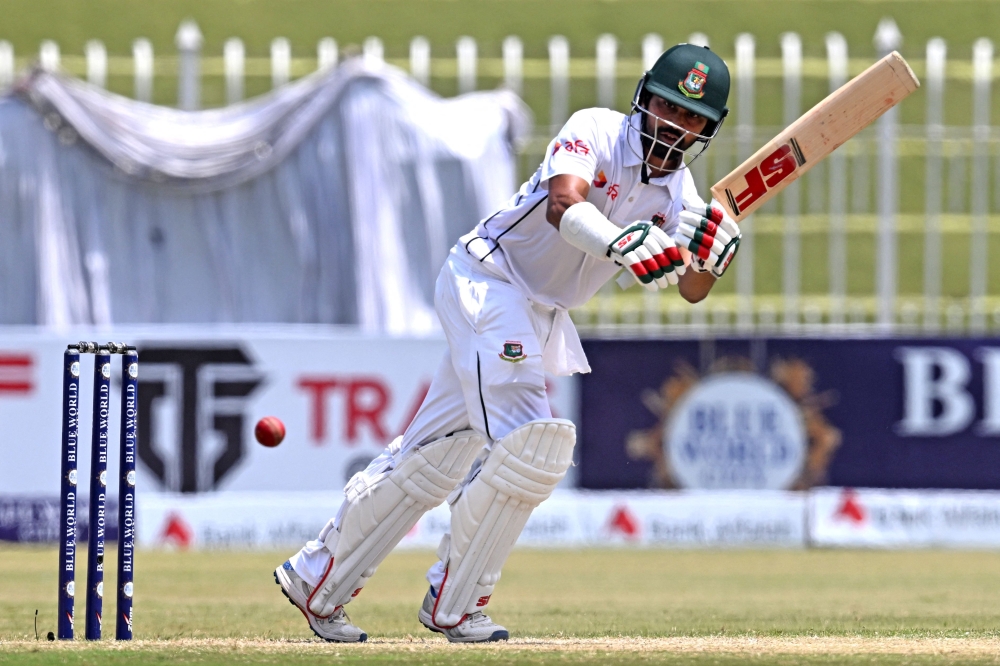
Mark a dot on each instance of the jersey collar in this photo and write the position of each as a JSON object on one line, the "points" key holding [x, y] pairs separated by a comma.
{"points": [[630, 158]]}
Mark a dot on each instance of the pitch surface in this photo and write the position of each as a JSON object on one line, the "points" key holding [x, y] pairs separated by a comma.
{"points": [[573, 607]]}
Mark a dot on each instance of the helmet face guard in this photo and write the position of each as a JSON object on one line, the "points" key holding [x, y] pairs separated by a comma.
{"points": [[655, 153]]}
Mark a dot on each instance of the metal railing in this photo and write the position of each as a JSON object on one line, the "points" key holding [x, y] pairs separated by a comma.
{"points": [[837, 251]]}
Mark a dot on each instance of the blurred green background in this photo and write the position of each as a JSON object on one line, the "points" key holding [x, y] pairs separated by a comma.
{"points": [[117, 22], [25, 23]]}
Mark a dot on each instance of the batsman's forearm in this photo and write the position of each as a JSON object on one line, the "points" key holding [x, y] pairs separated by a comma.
{"points": [[565, 190], [694, 287]]}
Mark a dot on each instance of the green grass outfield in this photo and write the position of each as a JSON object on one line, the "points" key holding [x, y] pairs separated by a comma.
{"points": [[566, 607]]}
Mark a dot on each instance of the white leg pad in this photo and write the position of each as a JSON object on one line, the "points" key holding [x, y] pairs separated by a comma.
{"points": [[520, 473], [379, 513]]}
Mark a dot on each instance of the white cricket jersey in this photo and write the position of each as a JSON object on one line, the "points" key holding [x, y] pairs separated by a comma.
{"points": [[519, 243]]}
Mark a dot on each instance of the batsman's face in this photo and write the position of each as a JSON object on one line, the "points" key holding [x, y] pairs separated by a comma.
{"points": [[675, 129]]}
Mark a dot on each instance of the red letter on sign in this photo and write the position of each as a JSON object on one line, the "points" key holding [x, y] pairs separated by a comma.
{"points": [[369, 410], [778, 165], [15, 373], [318, 388]]}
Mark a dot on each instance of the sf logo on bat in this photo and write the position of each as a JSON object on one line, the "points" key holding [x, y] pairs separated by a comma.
{"points": [[766, 175]]}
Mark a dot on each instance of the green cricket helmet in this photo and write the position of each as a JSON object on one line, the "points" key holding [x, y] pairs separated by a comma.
{"points": [[694, 78]]}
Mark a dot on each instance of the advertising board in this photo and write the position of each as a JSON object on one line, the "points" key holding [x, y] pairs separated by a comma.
{"points": [[568, 519], [791, 413], [877, 518], [821, 517], [342, 396]]}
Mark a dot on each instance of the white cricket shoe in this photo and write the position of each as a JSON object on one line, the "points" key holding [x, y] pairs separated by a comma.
{"points": [[336, 629], [474, 628]]}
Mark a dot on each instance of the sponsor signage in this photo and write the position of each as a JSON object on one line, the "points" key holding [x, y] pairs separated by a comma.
{"points": [[791, 413], [568, 519], [34, 519], [821, 517], [755, 519], [237, 519], [343, 396], [904, 518], [735, 430]]}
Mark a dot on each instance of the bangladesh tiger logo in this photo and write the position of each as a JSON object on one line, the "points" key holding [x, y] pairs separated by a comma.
{"points": [[513, 352], [694, 84]]}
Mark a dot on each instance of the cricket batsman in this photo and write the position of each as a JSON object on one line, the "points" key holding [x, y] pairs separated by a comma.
{"points": [[612, 192]]}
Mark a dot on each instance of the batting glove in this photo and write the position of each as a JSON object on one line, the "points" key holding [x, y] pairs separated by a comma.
{"points": [[649, 254], [712, 237]]}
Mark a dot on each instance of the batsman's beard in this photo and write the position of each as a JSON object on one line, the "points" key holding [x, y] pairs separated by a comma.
{"points": [[664, 145], [666, 152]]}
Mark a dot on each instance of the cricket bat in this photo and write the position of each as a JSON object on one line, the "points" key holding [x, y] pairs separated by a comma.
{"points": [[817, 133]]}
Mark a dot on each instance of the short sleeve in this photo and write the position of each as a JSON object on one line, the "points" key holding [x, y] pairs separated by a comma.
{"points": [[575, 149]]}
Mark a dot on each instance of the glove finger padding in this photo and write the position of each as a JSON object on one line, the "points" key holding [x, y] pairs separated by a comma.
{"points": [[647, 254], [667, 275], [658, 263], [639, 261], [673, 255], [731, 239], [730, 228], [714, 213], [726, 223], [701, 236], [670, 257], [711, 235], [630, 248]]}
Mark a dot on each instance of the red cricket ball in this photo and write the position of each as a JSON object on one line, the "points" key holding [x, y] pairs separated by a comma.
{"points": [[269, 431]]}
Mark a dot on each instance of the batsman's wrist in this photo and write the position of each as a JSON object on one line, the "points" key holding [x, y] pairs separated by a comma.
{"points": [[585, 228]]}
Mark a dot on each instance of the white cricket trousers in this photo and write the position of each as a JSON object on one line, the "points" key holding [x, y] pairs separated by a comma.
{"points": [[492, 379]]}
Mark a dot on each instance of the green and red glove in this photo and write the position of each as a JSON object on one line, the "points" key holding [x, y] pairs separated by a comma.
{"points": [[648, 253], [711, 236]]}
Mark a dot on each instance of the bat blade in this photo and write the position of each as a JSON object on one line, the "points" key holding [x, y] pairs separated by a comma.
{"points": [[816, 134]]}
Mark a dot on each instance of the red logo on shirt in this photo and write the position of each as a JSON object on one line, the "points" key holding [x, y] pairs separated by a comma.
{"points": [[658, 219], [601, 180], [613, 191], [578, 146]]}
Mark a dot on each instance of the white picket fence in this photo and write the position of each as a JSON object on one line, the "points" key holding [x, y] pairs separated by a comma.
{"points": [[848, 204]]}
